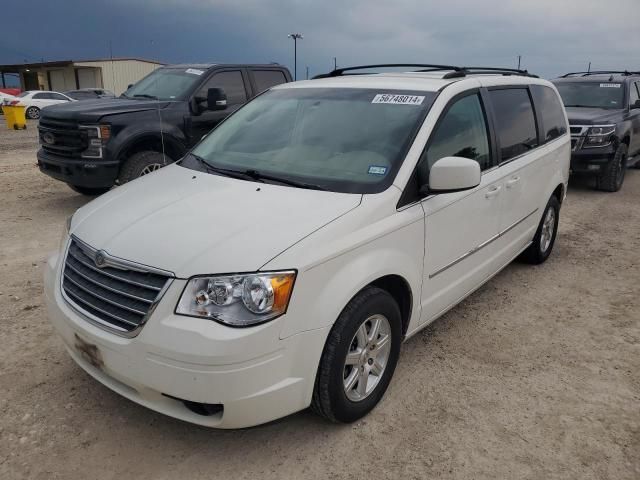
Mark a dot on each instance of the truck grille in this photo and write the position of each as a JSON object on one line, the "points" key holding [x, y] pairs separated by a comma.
{"points": [[116, 294], [61, 137]]}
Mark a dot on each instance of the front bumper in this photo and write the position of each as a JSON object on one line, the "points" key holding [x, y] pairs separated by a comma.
{"points": [[251, 373], [591, 160], [82, 172]]}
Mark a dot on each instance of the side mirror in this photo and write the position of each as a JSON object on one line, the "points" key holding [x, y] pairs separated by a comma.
{"points": [[129, 86], [454, 174], [635, 105], [216, 99]]}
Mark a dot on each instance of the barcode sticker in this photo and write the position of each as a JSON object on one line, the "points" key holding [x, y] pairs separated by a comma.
{"points": [[610, 85], [398, 99], [194, 71]]}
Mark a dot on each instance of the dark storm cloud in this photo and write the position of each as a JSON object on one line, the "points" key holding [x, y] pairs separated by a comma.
{"points": [[552, 36]]}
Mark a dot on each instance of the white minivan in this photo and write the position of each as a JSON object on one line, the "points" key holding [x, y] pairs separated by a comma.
{"points": [[284, 260]]}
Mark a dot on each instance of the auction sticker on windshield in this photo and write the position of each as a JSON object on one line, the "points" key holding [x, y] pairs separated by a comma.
{"points": [[398, 99], [194, 71], [610, 85]]}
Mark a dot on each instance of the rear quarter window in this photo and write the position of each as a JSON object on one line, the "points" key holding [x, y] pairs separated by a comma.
{"points": [[551, 112]]}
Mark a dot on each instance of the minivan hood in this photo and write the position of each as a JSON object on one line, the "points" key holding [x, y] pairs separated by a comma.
{"points": [[191, 223], [592, 116], [94, 110]]}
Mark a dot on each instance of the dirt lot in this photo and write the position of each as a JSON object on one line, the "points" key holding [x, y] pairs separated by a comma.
{"points": [[535, 376]]}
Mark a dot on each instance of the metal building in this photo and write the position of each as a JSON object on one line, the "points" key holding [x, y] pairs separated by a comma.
{"points": [[112, 74]]}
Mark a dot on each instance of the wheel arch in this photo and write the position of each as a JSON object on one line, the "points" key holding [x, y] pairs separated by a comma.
{"points": [[398, 287], [171, 146]]}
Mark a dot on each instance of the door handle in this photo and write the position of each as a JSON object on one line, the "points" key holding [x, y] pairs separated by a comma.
{"points": [[493, 191], [512, 181]]}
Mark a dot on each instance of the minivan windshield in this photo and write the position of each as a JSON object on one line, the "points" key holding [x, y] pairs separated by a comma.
{"points": [[340, 139], [592, 94], [165, 84]]}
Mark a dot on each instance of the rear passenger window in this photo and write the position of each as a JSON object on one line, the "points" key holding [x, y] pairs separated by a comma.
{"points": [[461, 132], [266, 79], [515, 121], [550, 110], [633, 94]]}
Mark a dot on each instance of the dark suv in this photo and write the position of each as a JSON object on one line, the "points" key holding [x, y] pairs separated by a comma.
{"points": [[604, 118], [92, 145]]}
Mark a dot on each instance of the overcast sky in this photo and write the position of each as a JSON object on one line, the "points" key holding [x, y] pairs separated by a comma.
{"points": [[553, 36]]}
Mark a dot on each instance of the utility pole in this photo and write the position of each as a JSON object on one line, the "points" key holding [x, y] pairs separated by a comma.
{"points": [[307, 72], [296, 37], [519, 58], [335, 63], [589, 69]]}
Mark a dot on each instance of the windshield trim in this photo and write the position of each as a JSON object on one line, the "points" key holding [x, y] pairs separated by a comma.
{"points": [[379, 187]]}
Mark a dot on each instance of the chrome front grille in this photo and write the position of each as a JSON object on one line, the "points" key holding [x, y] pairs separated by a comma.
{"points": [[112, 292]]}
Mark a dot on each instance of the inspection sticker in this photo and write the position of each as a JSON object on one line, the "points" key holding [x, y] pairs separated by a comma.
{"points": [[377, 170], [194, 71], [610, 85], [398, 99]]}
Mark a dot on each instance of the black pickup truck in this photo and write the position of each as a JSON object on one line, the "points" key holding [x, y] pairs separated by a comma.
{"points": [[93, 145], [604, 119]]}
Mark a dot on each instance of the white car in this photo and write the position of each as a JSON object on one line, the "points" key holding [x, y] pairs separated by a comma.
{"points": [[282, 263], [35, 100], [6, 99]]}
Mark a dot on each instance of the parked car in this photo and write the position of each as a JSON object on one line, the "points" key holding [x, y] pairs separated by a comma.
{"points": [[90, 94], [91, 146], [285, 259], [6, 99], [604, 118], [36, 100]]}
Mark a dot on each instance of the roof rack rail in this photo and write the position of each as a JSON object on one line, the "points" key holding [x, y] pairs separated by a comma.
{"points": [[456, 72], [600, 72]]}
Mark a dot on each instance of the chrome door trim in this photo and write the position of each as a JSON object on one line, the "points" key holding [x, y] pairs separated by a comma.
{"points": [[481, 246]]}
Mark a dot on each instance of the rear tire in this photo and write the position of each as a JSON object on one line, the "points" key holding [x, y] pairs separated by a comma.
{"points": [[142, 163], [89, 191], [369, 330], [611, 179], [33, 113], [545, 236]]}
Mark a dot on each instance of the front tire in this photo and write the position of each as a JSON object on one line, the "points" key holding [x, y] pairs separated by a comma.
{"points": [[89, 191], [359, 357], [33, 113], [545, 236], [611, 179], [142, 163]]}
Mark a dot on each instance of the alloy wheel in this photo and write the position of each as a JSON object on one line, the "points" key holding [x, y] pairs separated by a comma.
{"points": [[548, 227], [150, 168]]}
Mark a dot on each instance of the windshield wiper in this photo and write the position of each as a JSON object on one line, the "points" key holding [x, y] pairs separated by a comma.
{"points": [[227, 172], [581, 106], [145, 95], [286, 181]]}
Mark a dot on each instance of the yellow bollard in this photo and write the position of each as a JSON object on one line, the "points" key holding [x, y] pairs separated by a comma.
{"points": [[14, 116]]}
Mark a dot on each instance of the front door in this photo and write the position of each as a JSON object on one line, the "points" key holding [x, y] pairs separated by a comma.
{"points": [[233, 84], [460, 228]]}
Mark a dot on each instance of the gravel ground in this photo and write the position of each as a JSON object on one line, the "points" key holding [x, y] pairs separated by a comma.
{"points": [[535, 376]]}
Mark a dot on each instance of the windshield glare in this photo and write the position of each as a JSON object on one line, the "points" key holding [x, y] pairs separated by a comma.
{"points": [[592, 94], [165, 83], [342, 139]]}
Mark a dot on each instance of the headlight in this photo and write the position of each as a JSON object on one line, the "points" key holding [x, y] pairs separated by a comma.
{"points": [[98, 136], [238, 300], [599, 136]]}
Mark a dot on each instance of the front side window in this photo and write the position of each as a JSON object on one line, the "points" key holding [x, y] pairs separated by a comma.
{"points": [[634, 95], [461, 132], [341, 139], [550, 109], [592, 94], [515, 122], [232, 84]]}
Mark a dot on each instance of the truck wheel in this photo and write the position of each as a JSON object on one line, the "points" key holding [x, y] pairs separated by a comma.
{"points": [[610, 180], [91, 191], [359, 357], [545, 236], [33, 113], [142, 163]]}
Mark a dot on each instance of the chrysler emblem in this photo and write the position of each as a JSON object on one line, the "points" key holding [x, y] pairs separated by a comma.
{"points": [[48, 138], [101, 259]]}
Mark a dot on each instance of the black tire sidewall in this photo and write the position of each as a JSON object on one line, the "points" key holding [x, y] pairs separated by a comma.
{"points": [[345, 410], [134, 165]]}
